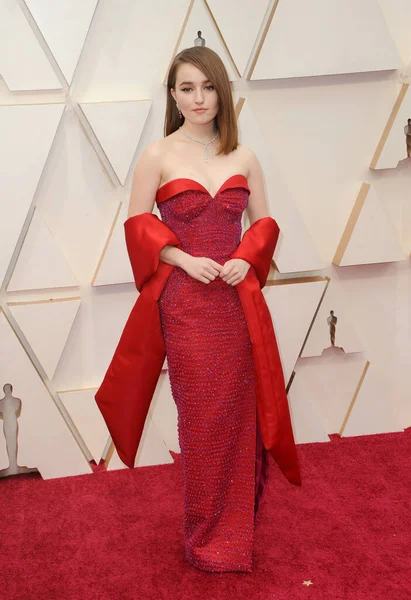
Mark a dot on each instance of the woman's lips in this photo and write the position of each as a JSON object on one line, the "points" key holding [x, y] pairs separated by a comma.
{"points": [[200, 110]]}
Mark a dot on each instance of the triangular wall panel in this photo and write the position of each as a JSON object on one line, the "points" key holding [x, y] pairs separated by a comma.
{"points": [[369, 237], [397, 14], [41, 264], [328, 383], [78, 200], [152, 449], [64, 25], [373, 410], [295, 250], [320, 338], [23, 64], [118, 127], [306, 423], [325, 37], [44, 439], [199, 19], [46, 326], [82, 408], [231, 17], [292, 307], [114, 266], [392, 147], [27, 133]]}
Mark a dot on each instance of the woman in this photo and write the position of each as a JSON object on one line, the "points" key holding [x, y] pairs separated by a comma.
{"points": [[202, 181]]}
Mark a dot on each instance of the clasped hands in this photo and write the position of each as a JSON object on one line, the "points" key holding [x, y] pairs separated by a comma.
{"points": [[206, 269], [234, 271]]}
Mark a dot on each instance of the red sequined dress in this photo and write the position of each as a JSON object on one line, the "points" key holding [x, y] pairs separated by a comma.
{"points": [[211, 371]]}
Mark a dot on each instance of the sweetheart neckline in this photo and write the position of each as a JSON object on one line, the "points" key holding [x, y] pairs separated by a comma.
{"points": [[200, 184]]}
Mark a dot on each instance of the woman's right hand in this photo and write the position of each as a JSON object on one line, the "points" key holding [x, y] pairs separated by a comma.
{"points": [[202, 268]]}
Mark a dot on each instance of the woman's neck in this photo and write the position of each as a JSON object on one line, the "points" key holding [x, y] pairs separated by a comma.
{"points": [[205, 132]]}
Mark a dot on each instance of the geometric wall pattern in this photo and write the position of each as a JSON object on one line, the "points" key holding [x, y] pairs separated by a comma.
{"points": [[332, 326], [392, 146], [27, 136], [295, 250], [300, 300], [118, 127], [152, 450], [44, 439], [64, 25], [53, 318], [368, 237], [114, 265], [323, 27], [81, 96], [23, 62], [88, 419], [229, 18], [197, 13], [359, 405], [40, 264], [397, 15]]}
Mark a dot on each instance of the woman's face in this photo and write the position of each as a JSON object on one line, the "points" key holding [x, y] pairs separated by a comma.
{"points": [[192, 92]]}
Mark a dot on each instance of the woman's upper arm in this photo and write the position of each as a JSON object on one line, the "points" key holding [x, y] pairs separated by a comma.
{"points": [[146, 179], [257, 203]]}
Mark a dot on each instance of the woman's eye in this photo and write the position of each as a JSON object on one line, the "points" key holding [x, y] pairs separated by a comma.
{"points": [[208, 87]]}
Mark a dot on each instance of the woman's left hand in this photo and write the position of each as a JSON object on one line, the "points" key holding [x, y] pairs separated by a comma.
{"points": [[234, 271]]}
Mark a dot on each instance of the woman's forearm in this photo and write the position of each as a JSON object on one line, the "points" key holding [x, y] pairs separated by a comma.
{"points": [[173, 256]]}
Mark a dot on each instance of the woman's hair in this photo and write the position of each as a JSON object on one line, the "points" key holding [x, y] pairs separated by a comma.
{"points": [[213, 67]]}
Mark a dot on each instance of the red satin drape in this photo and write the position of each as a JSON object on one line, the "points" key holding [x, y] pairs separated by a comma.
{"points": [[126, 391]]}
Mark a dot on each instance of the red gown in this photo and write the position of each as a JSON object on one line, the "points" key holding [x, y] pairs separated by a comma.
{"points": [[216, 384], [211, 371]]}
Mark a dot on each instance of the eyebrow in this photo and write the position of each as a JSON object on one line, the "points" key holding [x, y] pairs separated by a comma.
{"points": [[191, 82]]}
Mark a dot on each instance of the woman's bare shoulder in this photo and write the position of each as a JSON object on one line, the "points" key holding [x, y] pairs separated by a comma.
{"points": [[158, 150], [163, 145], [245, 152], [147, 177], [247, 158]]}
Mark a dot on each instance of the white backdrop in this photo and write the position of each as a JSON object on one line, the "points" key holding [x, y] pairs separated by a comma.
{"points": [[323, 100]]}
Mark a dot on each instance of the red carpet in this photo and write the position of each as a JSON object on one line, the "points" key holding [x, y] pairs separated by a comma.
{"points": [[118, 535]]}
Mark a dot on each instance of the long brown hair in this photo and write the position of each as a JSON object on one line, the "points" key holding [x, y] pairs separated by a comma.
{"points": [[213, 68]]}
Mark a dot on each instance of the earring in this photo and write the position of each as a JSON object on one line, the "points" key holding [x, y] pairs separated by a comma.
{"points": [[180, 114]]}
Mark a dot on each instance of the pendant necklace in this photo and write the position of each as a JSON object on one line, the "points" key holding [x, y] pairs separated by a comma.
{"points": [[206, 144]]}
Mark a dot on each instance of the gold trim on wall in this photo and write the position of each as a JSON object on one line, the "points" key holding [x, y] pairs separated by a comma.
{"points": [[47, 301], [389, 125], [110, 235], [190, 8], [222, 38], [85, 389], [349, 228], [354, 398], [238, 107], [262, 40], [328, 280], [292, 280]]}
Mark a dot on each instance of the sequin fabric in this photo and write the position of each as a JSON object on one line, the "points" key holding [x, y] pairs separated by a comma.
{"points": [[212, 379]]}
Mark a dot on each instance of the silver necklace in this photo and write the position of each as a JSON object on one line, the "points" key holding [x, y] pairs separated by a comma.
{"points": [[206, 144]]}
